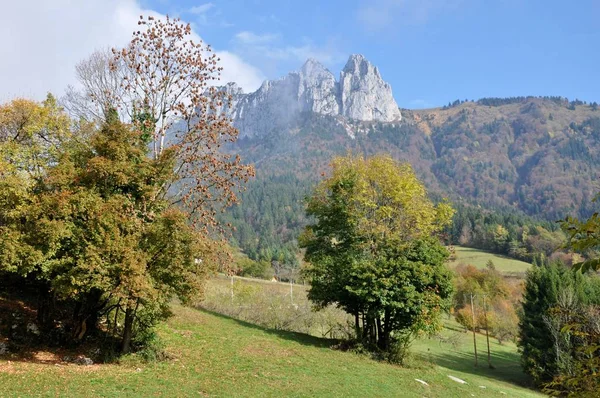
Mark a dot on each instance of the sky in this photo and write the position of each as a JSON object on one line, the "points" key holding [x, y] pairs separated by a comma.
{"points": [[430, 51]]}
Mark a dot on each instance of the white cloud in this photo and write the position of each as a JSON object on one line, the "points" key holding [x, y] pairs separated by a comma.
{"points": [[376, 15], [269, 45], [236, 70], [253, 38], [201, 9], [44, 40], [304, 52]]}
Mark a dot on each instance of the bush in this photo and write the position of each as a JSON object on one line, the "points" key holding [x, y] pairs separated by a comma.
{"points": [[399, 351], [256, 269], [150, 347]]}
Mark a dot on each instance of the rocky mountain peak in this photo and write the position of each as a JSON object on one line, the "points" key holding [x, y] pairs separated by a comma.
{"points": [[361, 94], [313, 67], [233, 89], [364, 94], [358, 64]]}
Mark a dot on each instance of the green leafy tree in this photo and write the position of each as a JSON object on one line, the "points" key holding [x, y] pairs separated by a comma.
{"points": [[372, 251], [545, 285], [576, 333], [584, 237], [104, 242], [30, 136]]}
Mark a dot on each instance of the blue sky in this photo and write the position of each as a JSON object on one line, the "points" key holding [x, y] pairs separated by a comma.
{"points": [[431, 51]]}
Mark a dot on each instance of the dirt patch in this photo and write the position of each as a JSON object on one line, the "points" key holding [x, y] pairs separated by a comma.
{"points": [[18, 306], [9, 367], [46, 357], [266, 350], [184, 333]]}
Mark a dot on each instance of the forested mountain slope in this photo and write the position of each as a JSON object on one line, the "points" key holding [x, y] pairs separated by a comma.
{"points": [[534, 156]]}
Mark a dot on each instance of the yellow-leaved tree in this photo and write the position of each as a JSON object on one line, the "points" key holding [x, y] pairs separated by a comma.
{"points": [[374, 250]]}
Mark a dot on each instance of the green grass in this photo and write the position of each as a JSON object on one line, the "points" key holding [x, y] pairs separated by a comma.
{"points": [[479, 258], [219, 356]]}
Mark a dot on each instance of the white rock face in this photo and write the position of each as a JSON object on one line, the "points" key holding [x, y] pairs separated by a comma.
{"points": [[361, 94], [318, 89], [364, 94]]}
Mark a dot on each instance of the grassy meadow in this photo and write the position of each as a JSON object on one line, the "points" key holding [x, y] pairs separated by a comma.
{"points": [[479, 258], [266, 340], [214, 355]]}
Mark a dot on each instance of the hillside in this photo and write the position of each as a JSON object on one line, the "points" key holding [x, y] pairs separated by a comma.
{"points": [[528, 156], [480, 258], [219, 356]]}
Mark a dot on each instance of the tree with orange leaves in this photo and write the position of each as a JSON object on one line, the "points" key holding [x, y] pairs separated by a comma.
{"points": [[106, 227], [163, 82], [168, 93]]}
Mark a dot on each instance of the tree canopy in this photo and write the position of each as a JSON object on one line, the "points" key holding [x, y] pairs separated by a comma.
{"points": [[372, 249], [114, 214]]}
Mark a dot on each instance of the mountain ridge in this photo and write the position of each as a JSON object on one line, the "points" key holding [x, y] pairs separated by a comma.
{"points": [[359, 94], [537, 155], [534, 156]]}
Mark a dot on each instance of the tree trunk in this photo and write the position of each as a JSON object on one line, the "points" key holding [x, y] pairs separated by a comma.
{"points": [[128, 328], [364, 328], [372, 333], [380, 335], [44, 308], [356, 325], [387, 329], [85, 315]]}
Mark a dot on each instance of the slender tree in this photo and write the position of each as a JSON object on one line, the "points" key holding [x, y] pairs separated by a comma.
{"points": [[163, 82]]}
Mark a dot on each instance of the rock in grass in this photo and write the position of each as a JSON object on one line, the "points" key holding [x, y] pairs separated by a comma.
{"points": [[456, 379]]}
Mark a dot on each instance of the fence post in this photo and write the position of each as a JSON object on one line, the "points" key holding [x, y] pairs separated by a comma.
{"points": [[474, 337]]}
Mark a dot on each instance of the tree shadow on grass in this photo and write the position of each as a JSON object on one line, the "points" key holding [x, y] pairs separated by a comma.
{"points": [[300, 338], [507, 367]]}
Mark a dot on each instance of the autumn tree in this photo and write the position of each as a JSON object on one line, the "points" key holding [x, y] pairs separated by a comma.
{"points": [[167, 93], [163, 82], [121, 218], [30, 136], [99, 90], [373, 252], [92, 233], [492, 290]]}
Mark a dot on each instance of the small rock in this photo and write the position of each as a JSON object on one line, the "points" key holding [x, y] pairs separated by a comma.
{"points": [[482, 387], [84, 361], [3, 348], [138, 370], [81, 360], [456, 379], [32, 328]]}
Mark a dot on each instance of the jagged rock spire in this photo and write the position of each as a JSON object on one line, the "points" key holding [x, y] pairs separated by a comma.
{"points": [[361, 94], [364, 94]]}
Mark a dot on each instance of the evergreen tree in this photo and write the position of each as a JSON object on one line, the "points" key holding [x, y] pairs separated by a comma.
{"points": [[543, 288]]}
